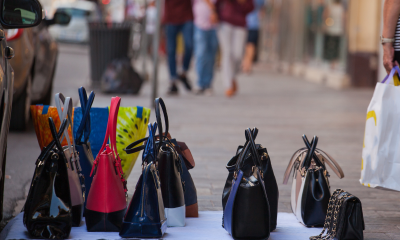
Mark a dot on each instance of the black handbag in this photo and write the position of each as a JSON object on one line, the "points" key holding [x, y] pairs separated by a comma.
{"points": [[344, 220], [169, 165], [270, 183], [145, 217], [247, 211], [310, 189], [47, 211], [82, 139]]}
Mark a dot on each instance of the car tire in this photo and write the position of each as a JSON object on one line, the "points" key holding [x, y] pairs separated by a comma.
{"points": [[21, 108]]}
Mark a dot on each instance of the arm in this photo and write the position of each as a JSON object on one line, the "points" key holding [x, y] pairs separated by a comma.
{"points": [[391, 12], [214, 16]]}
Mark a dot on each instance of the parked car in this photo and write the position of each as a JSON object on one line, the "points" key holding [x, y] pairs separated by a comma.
{"points": [[15, 14], [77, 30], [35, 63]]}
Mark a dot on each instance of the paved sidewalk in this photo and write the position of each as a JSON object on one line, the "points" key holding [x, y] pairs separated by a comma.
{"points": [[283, 108]]}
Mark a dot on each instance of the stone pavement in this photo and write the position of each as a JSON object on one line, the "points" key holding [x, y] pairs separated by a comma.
{"points": [[282, 107]]}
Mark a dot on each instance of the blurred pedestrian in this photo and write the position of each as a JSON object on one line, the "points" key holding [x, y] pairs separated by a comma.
{"points": [[205, 43], [253, 34], [178, 18], [391, 34], [151, 19], [232, 37], [334, 30]]}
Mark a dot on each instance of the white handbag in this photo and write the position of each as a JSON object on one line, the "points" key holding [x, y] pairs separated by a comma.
{"points": [[310, 187], [380, 166]]}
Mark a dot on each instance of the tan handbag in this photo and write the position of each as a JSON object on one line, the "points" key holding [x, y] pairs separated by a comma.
{"points": [[310, 187]]}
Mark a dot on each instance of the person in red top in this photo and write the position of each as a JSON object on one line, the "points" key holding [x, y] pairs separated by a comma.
{"points": [[178, 17], [232, 37]]}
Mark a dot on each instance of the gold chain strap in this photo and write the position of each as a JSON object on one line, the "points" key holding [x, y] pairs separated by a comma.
{"points": [[332, 217]]}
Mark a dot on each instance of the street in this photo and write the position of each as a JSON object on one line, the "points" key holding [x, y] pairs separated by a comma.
{"points": [[281, 107]]}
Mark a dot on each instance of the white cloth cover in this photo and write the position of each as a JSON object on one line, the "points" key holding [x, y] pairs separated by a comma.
{"points": [[207, 226], [380, 166]]}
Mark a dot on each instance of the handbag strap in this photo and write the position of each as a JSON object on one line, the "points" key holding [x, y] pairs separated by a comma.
{"points": [[160, 102], [290, 166], [150, 147], [111, 133], [66, 113], [56, 139], [248, 146], [332, 163], [311, 153], [86, 104]]}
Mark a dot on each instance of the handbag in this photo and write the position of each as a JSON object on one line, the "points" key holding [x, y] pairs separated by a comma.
{"points": [[270, 183], [75, 177], [145, 217], [310, 188], [344, 219], [106, 203], [47, 210], [380, 164], [82, 139], [247, 212], [169, 165], [40, 118]]}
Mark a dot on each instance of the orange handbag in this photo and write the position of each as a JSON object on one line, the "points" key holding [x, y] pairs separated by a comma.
{"points": [[40, 116]]}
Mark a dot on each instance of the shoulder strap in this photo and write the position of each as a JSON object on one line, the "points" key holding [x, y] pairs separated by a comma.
{"points": [[56, 136], [311, 154], [290, 166], [332, 163], [86, 104], [131, 147]]}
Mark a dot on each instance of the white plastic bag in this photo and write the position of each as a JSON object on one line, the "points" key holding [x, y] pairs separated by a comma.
{"points": [[380, 167]]}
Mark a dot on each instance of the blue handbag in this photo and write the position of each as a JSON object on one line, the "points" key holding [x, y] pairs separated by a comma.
{"points": [[98, 126], [82, 138], [145, 217], [247, 213]]}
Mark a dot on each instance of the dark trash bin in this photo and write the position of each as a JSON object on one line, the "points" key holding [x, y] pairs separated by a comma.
{"points": [[108, 41]]}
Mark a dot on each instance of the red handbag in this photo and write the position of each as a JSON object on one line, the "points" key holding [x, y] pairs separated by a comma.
{"points": [[106, 203]]}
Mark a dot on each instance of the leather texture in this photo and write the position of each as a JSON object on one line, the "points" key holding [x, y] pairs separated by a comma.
{"points": [[47, 211], [75, 177], [269, 178], [145, 216], [246, 210], [346, 220], [310, 187], [108, 191], [82, 139], [188, 183], [351, 223]]}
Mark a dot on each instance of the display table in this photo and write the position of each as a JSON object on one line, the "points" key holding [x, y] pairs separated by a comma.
{"points": [[207, 226]]}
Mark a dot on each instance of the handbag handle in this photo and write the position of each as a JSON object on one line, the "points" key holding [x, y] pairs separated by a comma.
{"points": [[50, 146], [391, 74], [160, 102], [66, 113], [85, 127], [56, 136], [249, 145], [150, 147], [310, 153]]}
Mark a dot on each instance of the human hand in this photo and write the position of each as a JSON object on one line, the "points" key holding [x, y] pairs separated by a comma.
{"points": [[214, 18], [388, 55]]}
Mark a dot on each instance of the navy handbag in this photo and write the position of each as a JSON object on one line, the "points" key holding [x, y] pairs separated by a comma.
{"points": [[82, 139], [247, 213], [145, 217]]}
